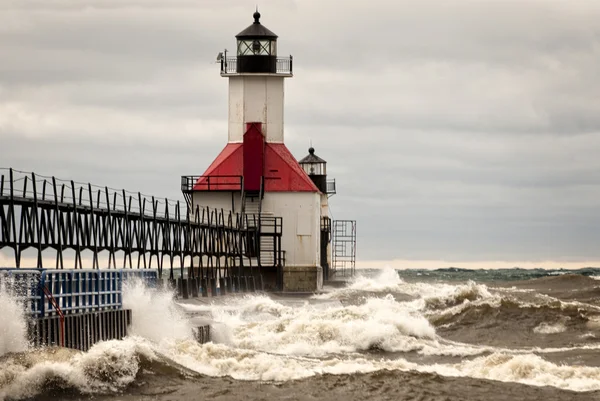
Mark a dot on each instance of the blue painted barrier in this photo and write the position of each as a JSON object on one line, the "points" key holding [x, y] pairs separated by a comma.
{"points": [[23, 284], [74, 291], [149, 277]]}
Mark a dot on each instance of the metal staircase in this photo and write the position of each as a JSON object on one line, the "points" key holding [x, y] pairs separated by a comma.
{"points": [[264, 232], [270, 253], [251, 206]]}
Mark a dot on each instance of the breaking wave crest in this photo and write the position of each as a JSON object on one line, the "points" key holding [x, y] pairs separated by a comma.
{"points": [[425, 295], [388, 279], [499, 310], [111, 366], [107, 367], [379, 323], [155, 315], [13, 325], [450, 295]]}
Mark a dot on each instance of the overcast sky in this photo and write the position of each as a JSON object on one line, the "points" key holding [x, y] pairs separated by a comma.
{"points": [[456, 130]]}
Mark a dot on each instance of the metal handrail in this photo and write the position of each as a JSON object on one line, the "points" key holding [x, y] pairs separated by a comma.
{"points": [[272, 222], [331, 188], [61, 315], [190, 183], [16, 185], [284, 65]]}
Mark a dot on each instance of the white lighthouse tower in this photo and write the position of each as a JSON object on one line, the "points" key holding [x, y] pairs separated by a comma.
{"points": [[257, 176]]}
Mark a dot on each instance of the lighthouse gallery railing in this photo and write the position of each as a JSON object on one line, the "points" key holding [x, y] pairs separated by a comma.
{"points": [[284, 65]]}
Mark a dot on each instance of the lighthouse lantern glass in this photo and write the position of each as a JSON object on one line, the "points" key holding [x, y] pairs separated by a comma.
{"points": [[314, 168], [256, 47]]}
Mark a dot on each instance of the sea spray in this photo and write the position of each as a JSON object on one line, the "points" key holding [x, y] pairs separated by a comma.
{"points": [[259, 323], [155, 316], [547, 328], [13, 324], [107, 367], [387, 279], [425, 295]]}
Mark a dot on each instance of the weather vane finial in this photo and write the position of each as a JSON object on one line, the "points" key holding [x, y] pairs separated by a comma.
{"points": [[256, 16]]}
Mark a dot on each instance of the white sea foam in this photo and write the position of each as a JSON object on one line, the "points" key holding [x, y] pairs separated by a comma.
{"points": [[155, 316], [111, 366], [220, 360], [546, 328], [380, 323], [428, 295], [258, 338], [444, 295], [528, 369], [13, 324], [387, 279], [107, 367]]}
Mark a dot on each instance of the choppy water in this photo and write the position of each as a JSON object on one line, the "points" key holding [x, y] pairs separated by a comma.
{"points": [[446, 334], [491, 275]]}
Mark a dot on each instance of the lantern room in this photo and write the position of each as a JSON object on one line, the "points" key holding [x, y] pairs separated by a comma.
{"points": [[316, 168], [256, 49]]}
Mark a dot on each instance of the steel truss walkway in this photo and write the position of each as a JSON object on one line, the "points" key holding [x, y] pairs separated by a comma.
{"points": [[44, 213]]}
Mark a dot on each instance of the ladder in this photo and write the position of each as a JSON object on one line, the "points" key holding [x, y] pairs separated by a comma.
{"points": [[344, 248]]}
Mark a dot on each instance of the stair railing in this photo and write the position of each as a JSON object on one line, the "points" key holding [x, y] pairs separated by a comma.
{"points": [[243, 200], [259, 229]]}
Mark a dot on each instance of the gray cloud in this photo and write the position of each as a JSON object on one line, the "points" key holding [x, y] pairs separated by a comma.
{"points": [[458, 130]]}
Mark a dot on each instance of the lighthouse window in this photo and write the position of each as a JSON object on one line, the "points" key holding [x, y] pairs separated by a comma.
{"points": [[314, 168], [254, 47]]}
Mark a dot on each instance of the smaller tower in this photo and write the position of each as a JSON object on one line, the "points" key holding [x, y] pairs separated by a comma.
{"points": [[316, 168]]}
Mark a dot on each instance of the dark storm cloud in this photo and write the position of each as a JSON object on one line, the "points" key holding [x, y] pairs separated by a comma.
{"points": [[457, 130]]}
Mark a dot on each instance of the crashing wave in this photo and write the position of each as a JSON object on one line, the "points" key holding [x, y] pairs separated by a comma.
{"points": [[107, 367]]}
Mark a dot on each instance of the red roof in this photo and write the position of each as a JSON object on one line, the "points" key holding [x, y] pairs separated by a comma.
{"points": [[282, 171], [223, 174]]}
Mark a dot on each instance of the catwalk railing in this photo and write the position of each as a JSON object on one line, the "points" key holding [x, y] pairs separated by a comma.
{"points": [[48, 214], [283, 65]]}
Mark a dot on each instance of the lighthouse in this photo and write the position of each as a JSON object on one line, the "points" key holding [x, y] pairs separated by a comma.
{"points": [[284, 203]]}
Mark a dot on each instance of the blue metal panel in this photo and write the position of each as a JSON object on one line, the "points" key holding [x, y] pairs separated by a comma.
{"points": [[75, 291], [23, 284], [58, 283], [83, 290], [149, 277], [109, 289]]}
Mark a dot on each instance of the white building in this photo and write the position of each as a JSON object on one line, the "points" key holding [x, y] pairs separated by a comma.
{"points": [[256, 175]]}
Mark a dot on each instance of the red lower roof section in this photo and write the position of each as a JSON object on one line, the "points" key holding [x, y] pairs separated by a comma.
{"points": [[282, 171], [224, 173]]}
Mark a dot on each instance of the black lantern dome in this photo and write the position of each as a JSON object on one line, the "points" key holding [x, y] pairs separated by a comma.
{"points": [[316, 168], [256, 49]]}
